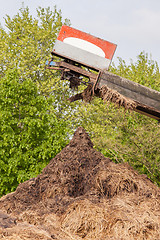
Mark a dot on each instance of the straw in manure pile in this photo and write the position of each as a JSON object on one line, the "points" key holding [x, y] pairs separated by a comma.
{"points": [[108, 94]]}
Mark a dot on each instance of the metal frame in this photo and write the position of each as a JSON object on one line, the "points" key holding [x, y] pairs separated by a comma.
{"points": [[70, 69], [74, 71]]}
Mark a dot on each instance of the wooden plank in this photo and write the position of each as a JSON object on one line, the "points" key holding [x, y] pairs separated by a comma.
{"points": [[132, 90]]}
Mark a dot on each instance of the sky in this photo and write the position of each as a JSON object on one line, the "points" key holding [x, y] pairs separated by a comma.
{"points": [[131, 24]]}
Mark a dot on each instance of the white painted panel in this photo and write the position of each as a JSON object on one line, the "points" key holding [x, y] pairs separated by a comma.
{"points": [[85, 45], [81, 56]]}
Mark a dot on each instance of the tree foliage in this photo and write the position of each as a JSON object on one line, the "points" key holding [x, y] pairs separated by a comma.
{"points": [[144, 71], [33, 109], [31, 133], [26, 43]]}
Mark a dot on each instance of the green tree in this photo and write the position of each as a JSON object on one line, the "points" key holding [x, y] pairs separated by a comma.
{"points": [[126, 136], [30, 132], [26, 43]]}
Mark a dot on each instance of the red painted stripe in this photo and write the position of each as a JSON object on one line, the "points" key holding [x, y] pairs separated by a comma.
{"points": [[108, 47]]}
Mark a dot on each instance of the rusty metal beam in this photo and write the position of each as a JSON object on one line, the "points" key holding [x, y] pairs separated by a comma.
{"points": [[147, 111], [79, 70], [54, 68]]}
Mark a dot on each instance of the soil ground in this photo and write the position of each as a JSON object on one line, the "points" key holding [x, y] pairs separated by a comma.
{"points": [[82, 195]]}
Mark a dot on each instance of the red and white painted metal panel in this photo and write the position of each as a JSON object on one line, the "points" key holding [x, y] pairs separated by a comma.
{"points": [[84, 48]]}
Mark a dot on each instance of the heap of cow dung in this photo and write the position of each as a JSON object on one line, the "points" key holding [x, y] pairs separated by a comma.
{"points": [[82, 195]]}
